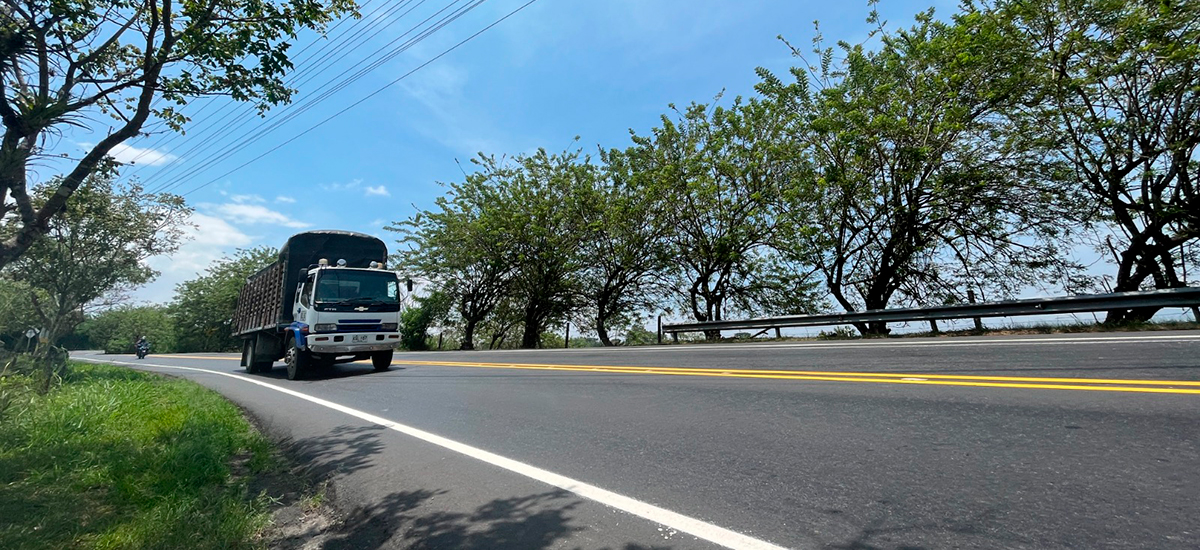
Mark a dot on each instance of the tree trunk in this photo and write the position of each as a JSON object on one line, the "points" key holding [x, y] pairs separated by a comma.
{"points": [[602, 331], [531, 338], [468, 341]]}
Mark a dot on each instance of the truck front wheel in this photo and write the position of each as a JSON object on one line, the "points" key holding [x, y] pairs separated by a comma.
{"points": [[381, 360], [299, 362]]}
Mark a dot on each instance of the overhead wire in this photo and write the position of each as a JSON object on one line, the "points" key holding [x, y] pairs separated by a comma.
{"points": [[330, 88], [360, 101], [303, 67], [290, 111]]}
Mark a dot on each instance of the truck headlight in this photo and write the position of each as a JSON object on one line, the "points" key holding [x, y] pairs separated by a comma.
{"points": [[388, 326], [329, 327]]}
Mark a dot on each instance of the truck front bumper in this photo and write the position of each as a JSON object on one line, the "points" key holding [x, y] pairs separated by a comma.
{"points": [[352, 342]]}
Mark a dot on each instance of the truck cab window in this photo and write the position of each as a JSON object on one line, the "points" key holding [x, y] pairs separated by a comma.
{"points": [[306, 293]]}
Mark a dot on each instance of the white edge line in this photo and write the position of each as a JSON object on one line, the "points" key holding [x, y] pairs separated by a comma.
{"points": [[679, 522]]}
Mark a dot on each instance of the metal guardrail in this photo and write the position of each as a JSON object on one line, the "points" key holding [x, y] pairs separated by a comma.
{"points": [[1174, 297]]}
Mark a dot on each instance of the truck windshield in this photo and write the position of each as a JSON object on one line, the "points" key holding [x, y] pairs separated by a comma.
{"points": [[338, 285]]}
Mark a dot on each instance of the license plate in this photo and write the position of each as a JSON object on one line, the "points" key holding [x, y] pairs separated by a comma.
{"points": [[356, 338]]}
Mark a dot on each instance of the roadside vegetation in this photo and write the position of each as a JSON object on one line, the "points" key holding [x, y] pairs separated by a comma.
{"points": [[115, 458]]}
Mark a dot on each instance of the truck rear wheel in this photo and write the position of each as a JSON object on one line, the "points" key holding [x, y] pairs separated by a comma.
{"points": [[250, 357], [381, 360]]}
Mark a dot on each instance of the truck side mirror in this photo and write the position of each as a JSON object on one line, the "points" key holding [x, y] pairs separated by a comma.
{"points": [[303, 274], [408, 283]]}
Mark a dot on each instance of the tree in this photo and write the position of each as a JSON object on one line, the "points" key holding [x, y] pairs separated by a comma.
{"points": [[117, 329], [204, 306], [415, 321], [537, 195], [94, 250], [918, 195], [509, 232], [461, 247], [1118, 96], [623, 246], [68, 62], [16, 312], [723, 174]]}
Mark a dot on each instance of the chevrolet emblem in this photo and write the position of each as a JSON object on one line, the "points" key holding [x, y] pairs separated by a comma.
{"points": [[361, 308]]}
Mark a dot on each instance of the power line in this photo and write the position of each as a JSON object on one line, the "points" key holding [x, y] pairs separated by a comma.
{"points": [[369, 96], [298, 61], [294, 110]]}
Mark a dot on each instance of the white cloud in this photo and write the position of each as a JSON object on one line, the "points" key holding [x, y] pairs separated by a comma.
{"points": [[208, 239], [352, 185], [252, 214], [283, 199], [242, 199], [378, 190]]}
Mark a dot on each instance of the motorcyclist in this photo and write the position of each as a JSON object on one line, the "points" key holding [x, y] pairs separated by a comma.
{"points": [[142, 346]]}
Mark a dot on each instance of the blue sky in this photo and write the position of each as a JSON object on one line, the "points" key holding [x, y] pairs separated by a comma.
{"points": [[556, 70]]}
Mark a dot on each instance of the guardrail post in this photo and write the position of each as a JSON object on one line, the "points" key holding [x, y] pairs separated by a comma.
{"points": [[675, 337], [978, 321], [439, 341], [777, 333], [933, 326]]}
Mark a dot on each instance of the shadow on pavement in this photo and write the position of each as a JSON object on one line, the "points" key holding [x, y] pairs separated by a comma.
{"points": [[344, 370], [345, 449], [528, 522]]}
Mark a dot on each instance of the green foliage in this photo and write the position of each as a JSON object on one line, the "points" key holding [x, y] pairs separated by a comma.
{"points": [[94, 250], [724, 175], [16, 311], [77, 62], [115, 330], [415, 321], [510, 231], [116, 458], [1116, 94], [921, 190], [460, 247], [624, 247], [204, 306]]}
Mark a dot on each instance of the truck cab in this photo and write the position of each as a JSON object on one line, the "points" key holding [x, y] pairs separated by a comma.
{"points": [[341, 310]]}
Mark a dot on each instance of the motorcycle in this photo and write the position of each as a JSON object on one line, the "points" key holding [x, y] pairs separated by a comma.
{"points": [[142, 350]]}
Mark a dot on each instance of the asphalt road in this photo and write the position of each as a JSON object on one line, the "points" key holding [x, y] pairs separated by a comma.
{"points": [[1063, 441]]}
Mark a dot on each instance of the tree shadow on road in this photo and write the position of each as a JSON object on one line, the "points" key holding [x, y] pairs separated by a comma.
{"points": [[345, 449], [527, 522]]}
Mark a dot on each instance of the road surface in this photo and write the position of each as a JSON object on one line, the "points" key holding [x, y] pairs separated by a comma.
{"points": [[1058, 441]]}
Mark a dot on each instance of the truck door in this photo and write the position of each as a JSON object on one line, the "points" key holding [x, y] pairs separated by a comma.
{"points": [[304, 300]]}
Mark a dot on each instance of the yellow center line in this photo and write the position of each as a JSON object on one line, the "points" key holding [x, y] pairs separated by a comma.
{"points": [[740, 372], [1079, 384]]}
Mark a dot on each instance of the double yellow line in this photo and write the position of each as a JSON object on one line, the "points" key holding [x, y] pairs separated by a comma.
{"points": [[1186, 387], [1082, 384]]}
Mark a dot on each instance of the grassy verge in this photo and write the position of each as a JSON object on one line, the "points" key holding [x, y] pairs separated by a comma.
{"points": [[115, 458]]}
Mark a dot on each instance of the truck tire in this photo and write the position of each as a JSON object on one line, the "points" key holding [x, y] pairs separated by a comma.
{"points": [[381, 360], [299, 363], [250, 352], [248, 355]]}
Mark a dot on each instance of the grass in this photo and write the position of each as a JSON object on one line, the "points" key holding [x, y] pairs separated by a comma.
{"points": [[115, 458]]}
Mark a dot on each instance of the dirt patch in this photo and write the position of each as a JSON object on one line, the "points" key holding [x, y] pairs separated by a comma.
{"points": [[299, 505]]}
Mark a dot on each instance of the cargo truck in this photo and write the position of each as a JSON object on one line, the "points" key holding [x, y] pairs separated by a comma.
{"points": [[327, 299]]}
